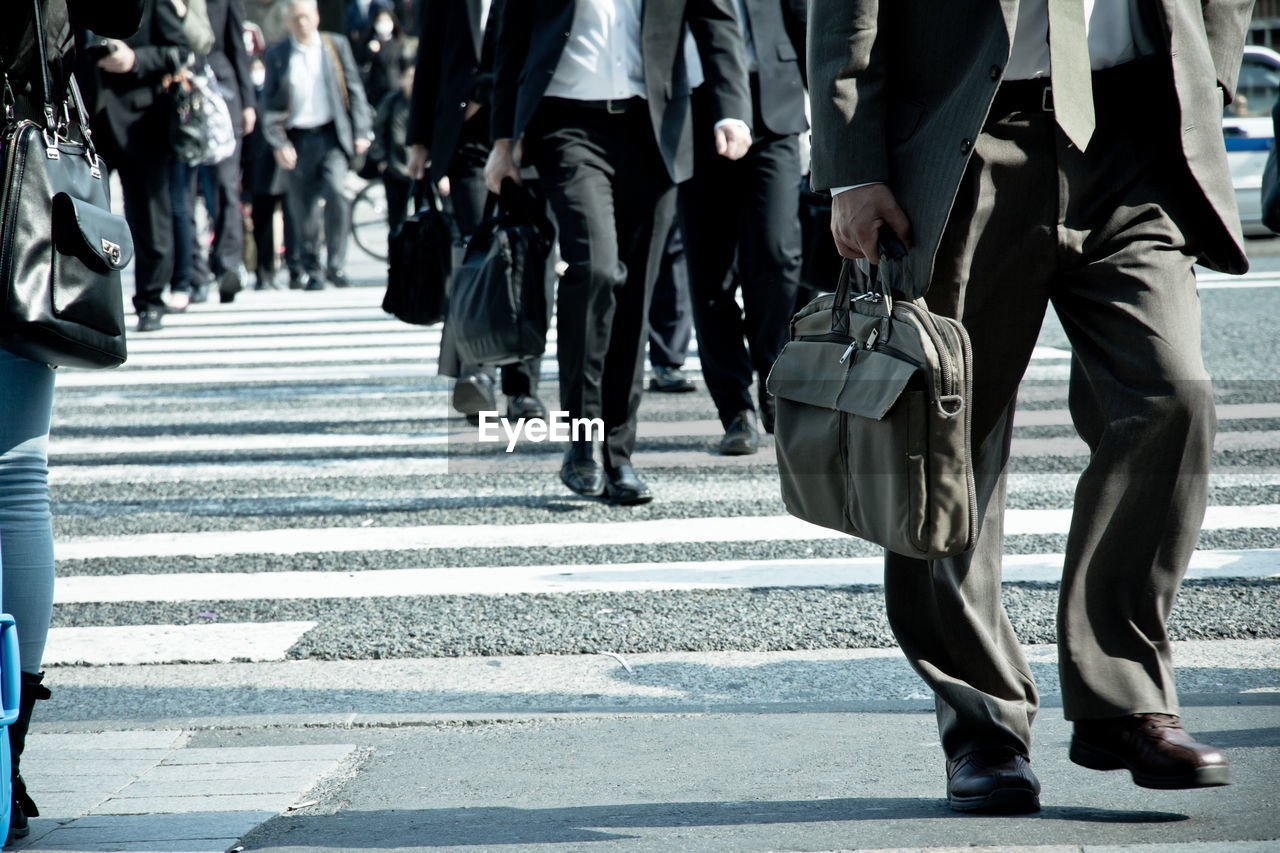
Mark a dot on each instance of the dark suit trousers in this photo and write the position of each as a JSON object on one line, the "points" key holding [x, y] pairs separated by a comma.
{"points": [[467, 195], [149, 211], [745, 210], [671, 311], [613, 201], [1103, 236], [320, 173]]}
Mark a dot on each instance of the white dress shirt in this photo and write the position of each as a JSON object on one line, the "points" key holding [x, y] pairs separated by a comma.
{"points": [[1113, 28], [601, 59], [308, 97]]}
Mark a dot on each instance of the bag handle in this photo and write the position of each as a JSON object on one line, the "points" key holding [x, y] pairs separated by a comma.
{"points": [[519, 200], [892, 249], [52, 127]]}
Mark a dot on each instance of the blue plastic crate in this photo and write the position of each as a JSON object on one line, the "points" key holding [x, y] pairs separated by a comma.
{"points": [[10, 688]]}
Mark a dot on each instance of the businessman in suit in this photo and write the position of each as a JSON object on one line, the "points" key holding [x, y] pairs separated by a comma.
{"points": [[597, 94], [748, 211], [317, 120], [449, 139], [1000, 140], [125, 91], [230, 64]]}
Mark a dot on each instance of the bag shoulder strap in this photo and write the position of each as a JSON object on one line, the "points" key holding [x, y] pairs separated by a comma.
{"points": [[337, 69]]}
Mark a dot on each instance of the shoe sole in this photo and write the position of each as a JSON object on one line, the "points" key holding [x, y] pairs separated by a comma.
{"points": [[585, 493], [999, 801], [1097, 758], [738, 451], [470, 400], [626, 499], [668, 389]]}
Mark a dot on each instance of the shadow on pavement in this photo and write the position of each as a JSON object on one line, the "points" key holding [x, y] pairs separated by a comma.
{"points": [[457, 827]]}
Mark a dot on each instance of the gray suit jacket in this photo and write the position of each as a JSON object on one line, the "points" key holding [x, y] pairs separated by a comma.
{"points": [[350, 124], [897, 89]]}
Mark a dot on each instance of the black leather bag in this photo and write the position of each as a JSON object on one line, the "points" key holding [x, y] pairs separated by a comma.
{"points": [[499, 307], [61, 248], [419, 262]]}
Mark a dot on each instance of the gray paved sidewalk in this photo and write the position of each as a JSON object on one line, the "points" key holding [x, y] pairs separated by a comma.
{"points": [[150, 790]]}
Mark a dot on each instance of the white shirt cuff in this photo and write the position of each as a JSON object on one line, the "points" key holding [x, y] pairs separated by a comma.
{"points": [[835, 191], [742, 124]]}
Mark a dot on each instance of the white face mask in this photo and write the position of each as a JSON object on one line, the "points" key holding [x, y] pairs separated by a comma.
{"points": [[259, 76], [384, 28]]}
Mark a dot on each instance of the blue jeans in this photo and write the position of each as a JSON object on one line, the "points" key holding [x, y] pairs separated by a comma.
{"points": [[26, 530]]}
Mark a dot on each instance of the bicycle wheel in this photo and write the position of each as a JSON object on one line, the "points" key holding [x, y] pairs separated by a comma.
{"points": [[369, 220]]}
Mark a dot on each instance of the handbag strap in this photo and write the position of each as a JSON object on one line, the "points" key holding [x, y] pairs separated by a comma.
{"points": [[891, 248], [37, 19]]}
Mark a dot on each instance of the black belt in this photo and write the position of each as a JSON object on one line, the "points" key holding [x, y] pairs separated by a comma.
{"points": [[612, 107], [324, 128], [1111, 87]]}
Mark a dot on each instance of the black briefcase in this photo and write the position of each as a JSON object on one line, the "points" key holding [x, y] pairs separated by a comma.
{"points": [[419, 262], [498, 305]]}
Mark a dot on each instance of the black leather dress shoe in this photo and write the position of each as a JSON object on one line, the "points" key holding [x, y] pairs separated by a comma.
{"points": [[580, 471], [525, 406], [741, 437], [339, 279], [151, 320], [622, 486], [297, 281], [1155, 749], [228, 286], [314, 282], [993, 781], [266, 280], [473, 394], [670, 380], [199, 292]]}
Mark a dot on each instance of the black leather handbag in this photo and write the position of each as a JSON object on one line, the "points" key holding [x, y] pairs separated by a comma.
{"points": [[61, 247], [498, 306], [419, 261]]}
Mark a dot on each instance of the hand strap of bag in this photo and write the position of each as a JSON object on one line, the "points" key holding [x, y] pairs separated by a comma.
{"points": [[892, 249], [52, 127]]}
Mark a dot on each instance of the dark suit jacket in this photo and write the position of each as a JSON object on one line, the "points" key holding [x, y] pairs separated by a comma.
{"points": [[133, 115], [897, 87], [228, 58], [778, 35], [350, 125], [531, 38], [455, 68]]}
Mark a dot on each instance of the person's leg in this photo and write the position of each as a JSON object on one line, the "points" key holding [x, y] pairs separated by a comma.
{"points": [[149, 211], [670, 311], [640, 177], [302, 196], [712, 200], [183, 228], [337, 211], [397, 193], [769, 246], [26, 545], [994, 264]]}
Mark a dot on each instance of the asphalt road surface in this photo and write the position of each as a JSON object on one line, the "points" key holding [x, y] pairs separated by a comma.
{"points": [[272, 529]]}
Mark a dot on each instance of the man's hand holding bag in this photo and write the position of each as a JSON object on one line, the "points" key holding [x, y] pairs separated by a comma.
{"points": [[872, 429]]}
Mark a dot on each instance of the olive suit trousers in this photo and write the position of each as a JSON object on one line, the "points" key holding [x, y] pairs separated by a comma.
{"points": [[1105, 236]]}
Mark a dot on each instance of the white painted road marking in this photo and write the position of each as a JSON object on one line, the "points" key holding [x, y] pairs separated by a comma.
{"points": [[135, 644]]}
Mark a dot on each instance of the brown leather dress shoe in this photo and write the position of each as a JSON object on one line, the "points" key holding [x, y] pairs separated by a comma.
{"points": [[993, 781], [1154, 748]]}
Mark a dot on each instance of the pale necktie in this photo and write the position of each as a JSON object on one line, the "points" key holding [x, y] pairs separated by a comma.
{"points": [[1069, 71]]}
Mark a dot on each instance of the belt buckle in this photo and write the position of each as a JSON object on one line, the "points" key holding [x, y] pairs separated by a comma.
{"points": [[613, 107], [1046, 99]]}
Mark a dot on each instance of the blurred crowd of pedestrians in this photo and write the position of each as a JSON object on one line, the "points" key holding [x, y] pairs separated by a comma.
{"points": [[671, 165]]}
